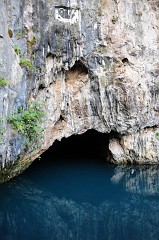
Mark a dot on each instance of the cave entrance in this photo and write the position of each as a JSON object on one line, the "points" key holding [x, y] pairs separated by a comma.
{"points": [[74, 168], [89, 146], [88, 149]]}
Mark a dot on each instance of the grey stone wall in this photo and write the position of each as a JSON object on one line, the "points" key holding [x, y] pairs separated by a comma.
{"points": [[96, 68]]}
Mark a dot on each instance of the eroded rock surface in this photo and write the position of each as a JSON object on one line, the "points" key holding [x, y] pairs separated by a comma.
{"points": [[96, 68]]}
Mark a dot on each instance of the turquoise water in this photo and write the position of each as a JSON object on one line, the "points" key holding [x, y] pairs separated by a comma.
{"points": [[69, 198], [81, 201]]}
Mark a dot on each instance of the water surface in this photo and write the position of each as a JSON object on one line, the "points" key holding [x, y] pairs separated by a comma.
{"points": [[81, 199]]}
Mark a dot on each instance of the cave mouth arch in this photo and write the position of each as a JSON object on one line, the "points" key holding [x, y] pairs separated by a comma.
{"points": [[91, 146]]}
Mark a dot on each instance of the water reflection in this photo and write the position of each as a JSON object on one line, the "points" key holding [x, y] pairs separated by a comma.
{"points": [[129, 209], [138, 179]]}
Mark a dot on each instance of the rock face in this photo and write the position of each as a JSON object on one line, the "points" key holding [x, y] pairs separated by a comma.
{"points": [[96, 68]]}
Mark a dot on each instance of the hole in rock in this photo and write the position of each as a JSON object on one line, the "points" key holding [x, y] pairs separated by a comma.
{"points": [[125, 61], [89, 147], [41, 86], [79, 66], [77, 71], [61, 118]]}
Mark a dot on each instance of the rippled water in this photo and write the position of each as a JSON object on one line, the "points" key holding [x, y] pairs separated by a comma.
{"points": [[81, 199]]}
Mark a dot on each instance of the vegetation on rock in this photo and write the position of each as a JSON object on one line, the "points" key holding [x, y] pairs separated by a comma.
{"points": [[157, 134], [19, 34], [10, 33], [2, 130], [3, 82], [28, 123], [17, 50], [26, 63]]}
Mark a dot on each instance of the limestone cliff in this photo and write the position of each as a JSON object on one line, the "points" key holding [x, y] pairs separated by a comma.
{"points": [[96, 67]]}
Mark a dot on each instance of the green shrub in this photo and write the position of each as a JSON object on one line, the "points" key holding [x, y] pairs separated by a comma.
{"points": [[3, 82], [17, 50], [2, 130], [157, 134], [26, 63], [28, 123], [19, 34]]}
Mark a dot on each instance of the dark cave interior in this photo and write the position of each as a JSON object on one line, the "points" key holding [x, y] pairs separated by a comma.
{"points": [[90, 145]]}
